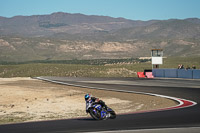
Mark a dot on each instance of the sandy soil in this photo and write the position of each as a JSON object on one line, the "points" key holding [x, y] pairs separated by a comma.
{"points": [[26, 99]]}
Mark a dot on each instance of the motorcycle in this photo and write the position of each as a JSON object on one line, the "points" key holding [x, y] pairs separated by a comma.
{"points": [[98, 113]]}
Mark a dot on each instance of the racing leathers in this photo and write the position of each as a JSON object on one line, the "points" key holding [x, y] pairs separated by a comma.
{"points": [[94, 100]]}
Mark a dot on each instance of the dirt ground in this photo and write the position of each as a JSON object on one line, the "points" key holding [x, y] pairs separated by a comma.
{"points": [[26, 99]]}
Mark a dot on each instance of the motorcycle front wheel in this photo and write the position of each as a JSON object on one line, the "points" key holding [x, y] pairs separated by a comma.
{"points": [[96, 114], [112, 113]]}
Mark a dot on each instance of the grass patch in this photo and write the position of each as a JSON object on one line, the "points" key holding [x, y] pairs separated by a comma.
{"points": [[173, 62]]}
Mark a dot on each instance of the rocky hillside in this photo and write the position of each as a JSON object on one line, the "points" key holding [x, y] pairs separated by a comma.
{"points": [[61, 36], [45, 25]]}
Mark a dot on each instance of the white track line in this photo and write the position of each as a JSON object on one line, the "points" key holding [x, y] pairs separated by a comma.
{"points": [[179, 100]]}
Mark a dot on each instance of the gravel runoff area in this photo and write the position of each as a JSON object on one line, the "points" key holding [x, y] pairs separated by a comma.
{"points": [[26, 99]]}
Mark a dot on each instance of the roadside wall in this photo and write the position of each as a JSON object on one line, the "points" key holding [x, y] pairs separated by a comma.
{"points": [[177, 73]]}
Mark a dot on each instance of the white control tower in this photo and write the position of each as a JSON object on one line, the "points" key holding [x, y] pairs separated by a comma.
{"points": [[156, 57]]}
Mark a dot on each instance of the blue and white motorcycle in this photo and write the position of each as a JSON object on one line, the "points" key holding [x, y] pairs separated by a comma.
{"points": [[98, 113]]}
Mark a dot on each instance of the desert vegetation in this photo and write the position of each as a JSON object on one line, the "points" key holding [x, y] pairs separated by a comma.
{"points": [[89, 68]]}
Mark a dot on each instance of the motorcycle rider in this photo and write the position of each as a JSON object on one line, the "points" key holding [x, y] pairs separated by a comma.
{"points": [[89, 98]]}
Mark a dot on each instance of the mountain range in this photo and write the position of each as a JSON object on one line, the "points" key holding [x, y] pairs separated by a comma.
{"points": [[64, 36]]}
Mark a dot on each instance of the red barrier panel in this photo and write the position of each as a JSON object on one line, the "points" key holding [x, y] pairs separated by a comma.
{"points": [[141, 75], [149, 75]]}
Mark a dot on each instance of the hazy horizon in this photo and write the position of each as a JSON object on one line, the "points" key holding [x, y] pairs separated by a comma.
{"points": [[129, 9]]}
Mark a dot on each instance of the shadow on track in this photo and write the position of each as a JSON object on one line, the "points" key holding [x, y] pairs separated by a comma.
{"points": [[86, 119]]}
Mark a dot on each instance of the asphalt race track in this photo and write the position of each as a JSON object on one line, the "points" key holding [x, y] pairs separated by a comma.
{"points": [[183, 118]]}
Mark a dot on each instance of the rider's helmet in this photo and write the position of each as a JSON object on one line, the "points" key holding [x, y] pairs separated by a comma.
{"points": [[87, 96]]}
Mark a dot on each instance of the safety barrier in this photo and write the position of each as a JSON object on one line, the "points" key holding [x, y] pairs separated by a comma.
{"points": [[177, 73], [149, 75], [141, 75], [145, 74]]}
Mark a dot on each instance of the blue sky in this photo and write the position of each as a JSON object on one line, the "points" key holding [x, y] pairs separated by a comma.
{"points": [[130, 9]]}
